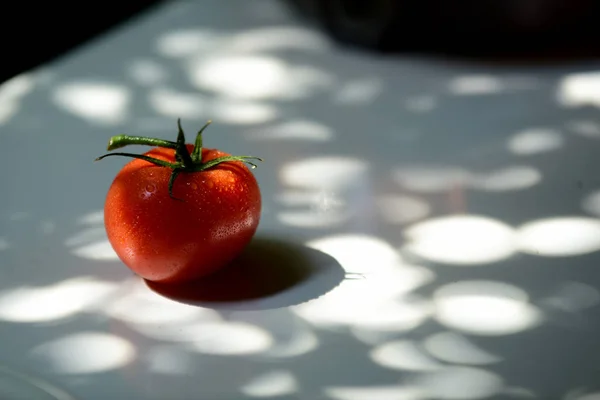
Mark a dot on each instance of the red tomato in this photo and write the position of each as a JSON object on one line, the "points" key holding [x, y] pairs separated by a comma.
{"points": [[204, 224]]}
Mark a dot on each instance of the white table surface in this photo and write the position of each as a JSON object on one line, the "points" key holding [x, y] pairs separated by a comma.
{"points": [[457, 202]]}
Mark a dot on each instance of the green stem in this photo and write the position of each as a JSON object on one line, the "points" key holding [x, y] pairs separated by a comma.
{"points": [[152, 160], [219, 160], [174, 175], [181, 153], [197, 153], [119, 141], [184, 161]]}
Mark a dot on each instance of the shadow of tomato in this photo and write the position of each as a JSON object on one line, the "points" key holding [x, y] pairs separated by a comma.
{"points": [[270, 273]]}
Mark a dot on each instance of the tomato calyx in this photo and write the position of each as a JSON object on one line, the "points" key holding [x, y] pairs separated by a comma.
{"points": [[185, 162]]}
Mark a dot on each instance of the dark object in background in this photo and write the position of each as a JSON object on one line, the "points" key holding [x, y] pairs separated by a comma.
{"points": [[35, 33], [467, 27]]}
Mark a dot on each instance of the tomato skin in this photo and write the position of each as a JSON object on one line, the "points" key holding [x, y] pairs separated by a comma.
{"points": [[167, 240]]}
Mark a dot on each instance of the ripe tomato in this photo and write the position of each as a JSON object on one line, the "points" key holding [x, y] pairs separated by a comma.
{"points": [[170, 220]]}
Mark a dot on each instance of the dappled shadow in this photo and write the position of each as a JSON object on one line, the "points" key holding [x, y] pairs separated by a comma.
{"points": [[463, 198], [269, 273]]}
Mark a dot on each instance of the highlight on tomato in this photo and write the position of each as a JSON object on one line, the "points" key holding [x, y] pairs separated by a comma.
{"points": [[180, 211]]}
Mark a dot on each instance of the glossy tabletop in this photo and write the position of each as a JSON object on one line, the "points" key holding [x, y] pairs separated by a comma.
{"points": [[430, 228]]}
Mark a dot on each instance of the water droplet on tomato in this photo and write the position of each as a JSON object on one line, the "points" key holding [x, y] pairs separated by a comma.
{"points": [[151, 187], [194, 186]]}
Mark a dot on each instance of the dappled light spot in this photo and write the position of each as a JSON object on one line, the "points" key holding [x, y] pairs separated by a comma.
{"points": [[294, 198], [187, 43], [302, 341], [49, 303], [403, 355], [403, 279], [391, 316], [237, 112], [430, 179], [386, 279], [85, 353], [485, 308], [579, 89], [275, 38], [577, 295], [101, 250], [560, 236], [169, 360], [373, 337], [92, 218], [387, 392], [506, 179], [460, 383], [469, 85], [353, 305], [358, 92], [91, 244], [147, 72], [327, 173], [101, 102], [230, 339], [467, 240], [534, 141], [313, 209], [573, 297], [591, 203], [255, 77], [7, 111], [455, 348], [307, 81], [85, 236], [197, 329], [585, 128], [298, 129], [177, 329], [491, 288], [170, 103], [4, 244], [421, 104], [16, 87], [313, 218], [146, 311], [11, 93], [271, 384], [399, 209], [359, 253]]}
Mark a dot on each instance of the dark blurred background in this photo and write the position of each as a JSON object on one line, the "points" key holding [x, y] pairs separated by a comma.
{"points": [[35, 33], [530, 29], [471, 28]]}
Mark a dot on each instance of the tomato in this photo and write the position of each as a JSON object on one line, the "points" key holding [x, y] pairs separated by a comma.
{"points": [[174, 214]]}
